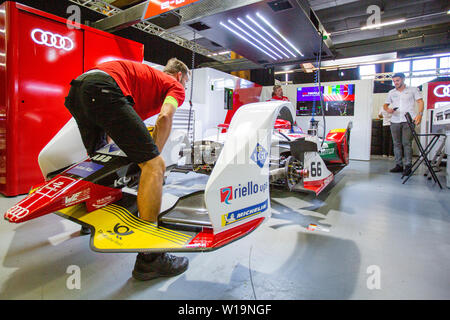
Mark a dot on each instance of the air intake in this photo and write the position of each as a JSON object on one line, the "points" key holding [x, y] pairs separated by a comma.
{"points": [[199, 26], [279, 5]]}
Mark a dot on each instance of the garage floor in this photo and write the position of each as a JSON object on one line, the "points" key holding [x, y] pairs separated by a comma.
{"points": [[375, 228]]}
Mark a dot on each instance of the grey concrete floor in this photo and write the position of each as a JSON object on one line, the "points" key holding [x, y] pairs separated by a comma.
{"points": [[372, 222]]}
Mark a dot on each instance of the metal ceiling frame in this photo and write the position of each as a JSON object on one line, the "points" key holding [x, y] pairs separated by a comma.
{"points": [[438, 72], [122, 19], [197, 14], [148, 27]]}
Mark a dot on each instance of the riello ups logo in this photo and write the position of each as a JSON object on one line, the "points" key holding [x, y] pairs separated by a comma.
{"points": [[232, 193], [228, 194]]}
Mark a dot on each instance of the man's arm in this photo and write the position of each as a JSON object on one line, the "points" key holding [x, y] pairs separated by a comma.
{"points": [[387, 109], [380, 113], [163, 125], [418, 118]]}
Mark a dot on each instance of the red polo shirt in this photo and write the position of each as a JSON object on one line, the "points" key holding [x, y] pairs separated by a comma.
{"points": [[147, 86]]}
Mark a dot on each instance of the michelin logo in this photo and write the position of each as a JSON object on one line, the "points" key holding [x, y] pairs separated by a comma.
{"points": [[244, 213]]}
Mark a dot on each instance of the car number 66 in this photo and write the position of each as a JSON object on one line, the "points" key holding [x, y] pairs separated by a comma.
{"points": [[316, 169]]}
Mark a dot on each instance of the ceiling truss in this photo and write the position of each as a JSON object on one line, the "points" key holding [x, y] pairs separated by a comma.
{"points": [[150, 28]]}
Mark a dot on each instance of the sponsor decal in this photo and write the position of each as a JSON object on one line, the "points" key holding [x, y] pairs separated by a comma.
{"points": [[122, 181], [295, 135], [102, 158], [85, 169], [116, 234], [155, 8], [241, 191], [442, 91], [54, 187], [259, 155], [327, 150], [226, 194], [113, 148], [245, 213], [76, 197], [100, 203], [438, 92], [52, 40], [105, 154], [17, 212]]}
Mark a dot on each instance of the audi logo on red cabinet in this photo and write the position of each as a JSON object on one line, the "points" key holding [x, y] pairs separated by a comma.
{"points": [[438, 92], [442, 91], [50, 39]]}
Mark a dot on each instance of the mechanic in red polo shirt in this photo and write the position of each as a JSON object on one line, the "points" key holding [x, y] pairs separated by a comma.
{"points": [[112, 100], [277, 94]]}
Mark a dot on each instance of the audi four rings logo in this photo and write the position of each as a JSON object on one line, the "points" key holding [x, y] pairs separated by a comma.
{"points": [[52, 40], [442, 91]]}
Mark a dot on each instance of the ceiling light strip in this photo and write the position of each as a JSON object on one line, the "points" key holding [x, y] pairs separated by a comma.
{"points": [[379, 25], [248, 34], [277, 32], [244, 38], [262, 37], [272, 37]]}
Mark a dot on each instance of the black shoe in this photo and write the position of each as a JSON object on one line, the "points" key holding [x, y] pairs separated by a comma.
{"points": [[153, 265], [85, 230], [407, 170], [397, 169]]}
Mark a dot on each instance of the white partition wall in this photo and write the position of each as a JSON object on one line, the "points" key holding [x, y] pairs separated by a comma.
{"points": [[208, 106], [379, 99], [360, 138], [208, 98]]}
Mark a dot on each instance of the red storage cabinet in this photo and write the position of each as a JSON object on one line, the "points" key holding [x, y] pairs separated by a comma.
{"points": [[39, 56]]}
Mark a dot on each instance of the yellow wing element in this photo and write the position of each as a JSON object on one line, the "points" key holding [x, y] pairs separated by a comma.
{"points": [[117, 230], [337, 130]]}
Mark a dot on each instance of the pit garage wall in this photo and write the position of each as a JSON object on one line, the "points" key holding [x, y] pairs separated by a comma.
{"points": [[428, 125], [34, 80], [360, 137]]}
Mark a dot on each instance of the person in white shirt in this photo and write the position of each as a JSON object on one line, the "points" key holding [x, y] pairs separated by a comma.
{"points": [[387, 145], [400, 100]]}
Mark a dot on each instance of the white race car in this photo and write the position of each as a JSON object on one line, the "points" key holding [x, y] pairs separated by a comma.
{"points": [[99, 192], [298, 161]]}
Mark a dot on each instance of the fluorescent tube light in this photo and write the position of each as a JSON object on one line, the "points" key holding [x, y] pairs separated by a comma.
{"points": [[379, 25], [273, 38], [244, 38], [262, 37], [248, 34], [277, 32]]}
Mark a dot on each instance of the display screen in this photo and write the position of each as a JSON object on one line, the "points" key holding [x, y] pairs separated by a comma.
{"points": [[339, 100]]}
